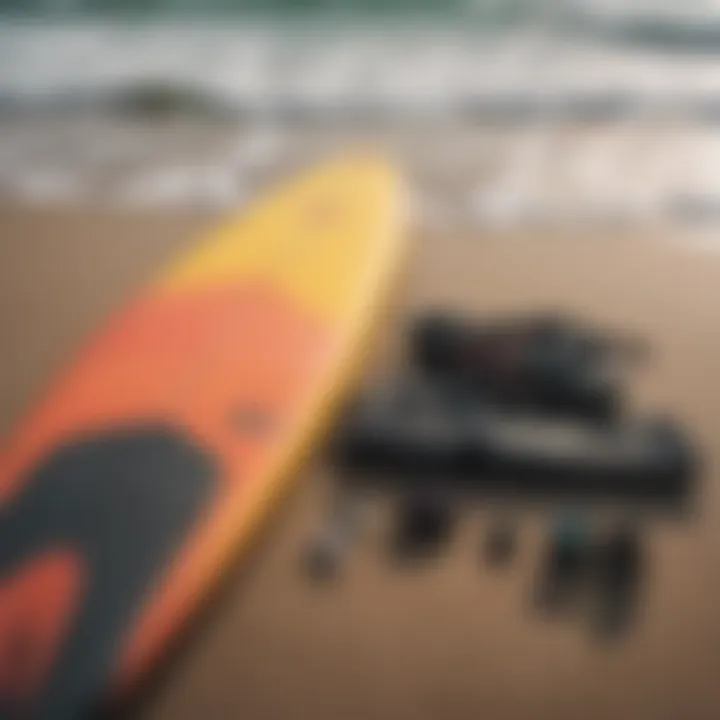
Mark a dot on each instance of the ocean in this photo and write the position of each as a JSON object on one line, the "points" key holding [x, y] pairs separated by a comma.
{"points": [[511, 111]]}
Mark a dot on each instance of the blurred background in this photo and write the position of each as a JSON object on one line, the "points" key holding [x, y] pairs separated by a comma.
{"points": [[505, 112], [563, 155]]}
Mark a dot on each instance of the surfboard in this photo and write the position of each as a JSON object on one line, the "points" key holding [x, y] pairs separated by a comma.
{"points": [[159, 451]]}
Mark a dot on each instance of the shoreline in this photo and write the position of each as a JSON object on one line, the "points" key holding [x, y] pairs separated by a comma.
{"points": [[465, 175]]}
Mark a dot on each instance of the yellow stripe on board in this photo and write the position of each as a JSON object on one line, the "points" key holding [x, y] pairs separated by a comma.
{"points": [[307, 239]]}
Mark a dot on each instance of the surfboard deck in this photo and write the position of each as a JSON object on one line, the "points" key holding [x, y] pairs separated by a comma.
{"points": [[159, 451]]}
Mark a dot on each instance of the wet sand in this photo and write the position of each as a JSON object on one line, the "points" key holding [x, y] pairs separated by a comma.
{"points": [[455, 639]]}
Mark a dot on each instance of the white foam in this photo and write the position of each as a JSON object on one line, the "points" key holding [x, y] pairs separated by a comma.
{"points": [[258, 149], [213, 186], [47, 186], [259, 66]]}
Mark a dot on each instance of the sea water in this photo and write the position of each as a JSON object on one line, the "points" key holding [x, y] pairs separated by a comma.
{"points": [[504, 112]]}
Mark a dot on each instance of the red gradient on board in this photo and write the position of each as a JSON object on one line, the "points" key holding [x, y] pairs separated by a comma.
{"points": [[232, 367], [37, 605]]}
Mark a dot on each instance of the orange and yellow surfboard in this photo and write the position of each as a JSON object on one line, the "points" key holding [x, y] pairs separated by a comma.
{"points": [[160, 450]]}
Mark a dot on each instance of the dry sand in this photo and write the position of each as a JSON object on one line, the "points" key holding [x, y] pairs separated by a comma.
{"points": [[454, 640]]}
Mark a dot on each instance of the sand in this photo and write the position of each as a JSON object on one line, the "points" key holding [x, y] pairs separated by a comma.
{"points": [[453, 640]]}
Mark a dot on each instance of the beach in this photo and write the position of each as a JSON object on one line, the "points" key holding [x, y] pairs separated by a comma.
{"points": [[454, 639], [560, 157]]}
